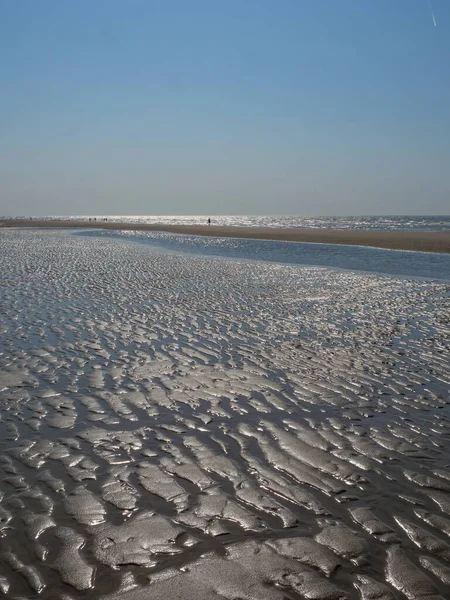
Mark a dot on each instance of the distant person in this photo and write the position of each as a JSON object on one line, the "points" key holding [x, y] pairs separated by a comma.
{"points": [[209, 221]]}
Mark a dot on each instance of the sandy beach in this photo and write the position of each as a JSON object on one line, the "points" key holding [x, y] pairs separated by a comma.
{"points": [[423, 241], [176, 427]]}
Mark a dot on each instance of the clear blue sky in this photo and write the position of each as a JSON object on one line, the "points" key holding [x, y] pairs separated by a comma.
{"points": [[224, 107]]}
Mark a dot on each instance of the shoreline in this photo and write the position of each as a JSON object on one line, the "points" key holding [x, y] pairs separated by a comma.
{"points": [[421, 241]]}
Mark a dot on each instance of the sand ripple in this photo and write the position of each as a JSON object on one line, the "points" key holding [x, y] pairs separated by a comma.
{"points": [[182, 427]]}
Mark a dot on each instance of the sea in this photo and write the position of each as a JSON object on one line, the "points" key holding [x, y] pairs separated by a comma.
{"points": [[354, 258], [186, 417], [423, 265], [379, 223]]}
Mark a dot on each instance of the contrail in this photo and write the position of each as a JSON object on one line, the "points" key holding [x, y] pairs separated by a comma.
{"points": [[432, 13]]}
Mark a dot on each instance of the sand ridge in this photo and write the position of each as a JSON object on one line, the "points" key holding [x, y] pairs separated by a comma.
{"points": [[423, 241]]}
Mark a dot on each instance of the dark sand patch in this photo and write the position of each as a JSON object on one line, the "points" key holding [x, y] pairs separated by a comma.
{"points": [[423, 241]]}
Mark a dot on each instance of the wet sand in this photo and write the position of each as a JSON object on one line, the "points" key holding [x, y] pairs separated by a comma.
{"points": [[423, 241], [176, 427]]}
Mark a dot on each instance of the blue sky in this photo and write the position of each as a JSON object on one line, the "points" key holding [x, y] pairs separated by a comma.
{"points": [[205, 106]]}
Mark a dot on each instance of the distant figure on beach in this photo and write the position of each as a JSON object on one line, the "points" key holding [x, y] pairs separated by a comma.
{"points": [[209, 221]]}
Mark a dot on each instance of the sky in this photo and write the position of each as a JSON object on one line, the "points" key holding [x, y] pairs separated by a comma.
{"points": [[300, 107]]}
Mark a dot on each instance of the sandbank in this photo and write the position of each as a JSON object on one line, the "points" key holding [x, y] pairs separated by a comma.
{"points": [[423, 241]]}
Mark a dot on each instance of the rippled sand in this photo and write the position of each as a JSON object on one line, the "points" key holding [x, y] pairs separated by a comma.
{"points": [[188, 428]]}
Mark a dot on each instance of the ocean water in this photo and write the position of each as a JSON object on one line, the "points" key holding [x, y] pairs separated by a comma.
{"points": [[354, 258], [383, 223]]}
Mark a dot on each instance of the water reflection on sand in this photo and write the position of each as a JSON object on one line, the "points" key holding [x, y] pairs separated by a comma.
{"points": [[182, 427]]}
